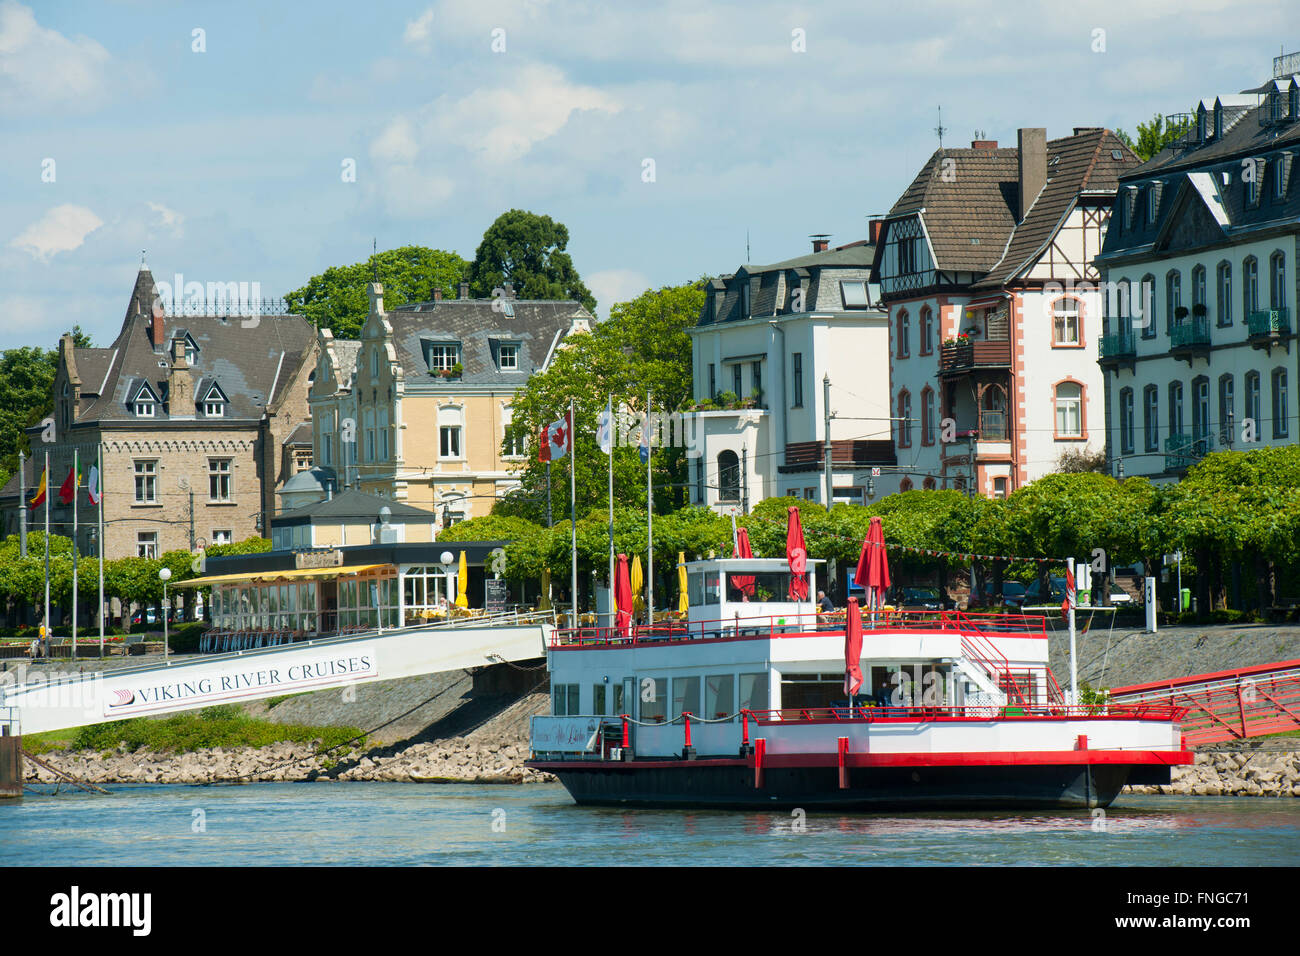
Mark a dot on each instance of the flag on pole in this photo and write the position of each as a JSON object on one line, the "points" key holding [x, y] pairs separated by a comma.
{"points": [[1070, 597], [605, 429], [92, 486], [68, 491], [556, 439], [39, 500], [645, 440]]}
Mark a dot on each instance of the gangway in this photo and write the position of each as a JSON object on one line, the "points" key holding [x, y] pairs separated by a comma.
{"points": [[1228, 705], [73, 700]]}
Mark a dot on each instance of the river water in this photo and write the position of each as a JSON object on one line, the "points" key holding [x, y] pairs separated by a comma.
{"points": [[354, 824]]}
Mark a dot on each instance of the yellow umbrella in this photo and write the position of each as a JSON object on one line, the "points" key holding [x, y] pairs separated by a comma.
{"points": [[681, 582], [544, 603], [462, 583], [638, 599]]}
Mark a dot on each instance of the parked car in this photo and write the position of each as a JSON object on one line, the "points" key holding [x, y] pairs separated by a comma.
{"points": [[922, 599], [1013, 594], [1117, 595]]}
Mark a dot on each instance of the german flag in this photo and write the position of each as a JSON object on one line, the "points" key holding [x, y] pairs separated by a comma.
{"points": [[40, 492]]}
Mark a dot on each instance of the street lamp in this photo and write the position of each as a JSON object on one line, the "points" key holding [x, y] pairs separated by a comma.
{"points": [[448, 562], [165, 574]]}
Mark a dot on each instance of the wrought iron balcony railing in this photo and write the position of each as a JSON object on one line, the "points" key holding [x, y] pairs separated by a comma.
{"points": [[1118, 345], [1190, 335], [1269, 322], [1183, 451]]}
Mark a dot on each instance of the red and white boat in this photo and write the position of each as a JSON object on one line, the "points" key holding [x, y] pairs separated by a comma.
{"points": [[743, 705]]}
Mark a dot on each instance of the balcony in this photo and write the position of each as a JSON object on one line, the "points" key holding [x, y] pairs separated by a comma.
{"points": [[963, 357], [1183, 451], [1269, 327], [1187, 340], [1117, 347], [849, 454]]}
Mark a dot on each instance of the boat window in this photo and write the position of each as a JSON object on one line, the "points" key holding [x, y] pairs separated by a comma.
{"points": [[760, 586], [654, 698], [564, 700], [686, 696], [719, 695], [598, 699], [753, 692], [702, 588], [811, 691]]}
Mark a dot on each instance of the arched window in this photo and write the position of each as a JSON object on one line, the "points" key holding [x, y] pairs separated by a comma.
{"points": [[927, 331], [993, 414], [1069, 410], [1065, 322], [728, 476], [904, 334], [1227, 410], [1173, 298], [1250, 286], [1198, 295], [927, 416], [1200, 407], [1175, 409], [1146, 301], [1281, 404], [1126, 421], [1277, 280], [905, 424], [1250, 418], [1224, 286], [1151, 417]]}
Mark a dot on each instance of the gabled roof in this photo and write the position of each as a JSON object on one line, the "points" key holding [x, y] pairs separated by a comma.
{"points": [[352, 503], [253, 360]]}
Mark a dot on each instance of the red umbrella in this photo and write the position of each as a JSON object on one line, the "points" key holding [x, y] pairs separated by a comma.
{"points": [[853, 648], [623, 595], [744, 583], [797, 554], [873, 565]]}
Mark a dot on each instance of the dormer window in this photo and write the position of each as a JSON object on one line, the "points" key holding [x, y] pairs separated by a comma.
{"points": [[441, 356], [508, 357], [1152, 198], [144, 407], [855, 294], [215, 402]]}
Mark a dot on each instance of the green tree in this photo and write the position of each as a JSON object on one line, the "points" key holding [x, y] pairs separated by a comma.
{"points": [[527, 250], [337, 298], [644, 345], [27, 395], [1152, 137]]}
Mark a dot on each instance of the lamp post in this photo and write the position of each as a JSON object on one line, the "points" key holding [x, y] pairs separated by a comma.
{"points": [[448, 562], [165, 575]]}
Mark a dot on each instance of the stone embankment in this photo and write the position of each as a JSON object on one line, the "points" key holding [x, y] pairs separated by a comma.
{"points": [[1263, 769], [458, 760]]}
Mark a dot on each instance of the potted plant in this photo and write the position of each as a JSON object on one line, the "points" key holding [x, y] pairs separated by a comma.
{"points": [[1181, 313]]}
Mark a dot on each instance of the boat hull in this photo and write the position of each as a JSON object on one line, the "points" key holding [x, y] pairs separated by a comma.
{"points": [[730, 784]]}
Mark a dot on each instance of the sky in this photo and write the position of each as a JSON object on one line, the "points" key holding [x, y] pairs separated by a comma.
{"points": [[265, 142]]}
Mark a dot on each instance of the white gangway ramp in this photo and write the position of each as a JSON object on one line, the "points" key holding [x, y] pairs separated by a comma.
{"points": [[185, 684]]}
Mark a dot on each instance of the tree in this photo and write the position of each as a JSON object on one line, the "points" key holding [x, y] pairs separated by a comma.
{"points": [[337, 298], [1152, 137], [1079, 461], [527, 250], [27, 395], [644, 345]]}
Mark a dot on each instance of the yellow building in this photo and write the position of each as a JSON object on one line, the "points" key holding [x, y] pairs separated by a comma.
{"points": [[419, 409]]}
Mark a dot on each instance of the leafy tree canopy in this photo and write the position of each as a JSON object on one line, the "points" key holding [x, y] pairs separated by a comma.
{"points": [[337, 298], [1152, 137], [527, 250]]}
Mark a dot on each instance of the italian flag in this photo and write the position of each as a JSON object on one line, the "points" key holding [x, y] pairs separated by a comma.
{"points": [[40, 492]]}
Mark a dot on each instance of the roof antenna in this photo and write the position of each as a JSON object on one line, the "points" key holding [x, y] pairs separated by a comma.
{"points": [[940, 129], [374, 251], [143, 265], [747, 245]]}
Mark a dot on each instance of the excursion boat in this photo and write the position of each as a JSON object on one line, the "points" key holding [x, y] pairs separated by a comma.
{"points": [[742, 704]]}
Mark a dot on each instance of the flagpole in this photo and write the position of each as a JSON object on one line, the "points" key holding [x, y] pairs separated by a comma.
{"points": [[573, 512], [47, 550], [99, 481], [76, 486], [650, 521], [609, 423]]}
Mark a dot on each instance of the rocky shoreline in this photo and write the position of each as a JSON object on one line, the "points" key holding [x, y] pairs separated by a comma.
{"points": [[1257, 772]]}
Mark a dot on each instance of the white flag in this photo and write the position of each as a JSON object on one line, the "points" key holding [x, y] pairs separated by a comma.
{"points": [[92, 486], [605, 430]]}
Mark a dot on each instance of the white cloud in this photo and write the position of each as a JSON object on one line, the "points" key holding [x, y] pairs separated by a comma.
{"points": [[41, 68], [62, 229], [167, 218], [396, 144], [612, 286], [418, 31]]}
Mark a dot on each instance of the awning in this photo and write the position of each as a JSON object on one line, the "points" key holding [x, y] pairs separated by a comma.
{"points": [[268, 577], [985, 303]]}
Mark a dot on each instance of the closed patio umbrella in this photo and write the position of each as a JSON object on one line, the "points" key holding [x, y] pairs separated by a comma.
{"points": [[852, 649], [462, 583], [681, 583], [797, 554], [873, 566], [638, 582], [744, 583], [623, 595]]}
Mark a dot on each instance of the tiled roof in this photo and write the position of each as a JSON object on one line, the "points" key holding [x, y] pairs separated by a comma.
{"points": [[479, 329], [819, 273], [252, 362], [355, 504]]}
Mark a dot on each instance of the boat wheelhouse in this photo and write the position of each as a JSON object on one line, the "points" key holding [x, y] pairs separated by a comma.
{"points": [[743, 704]]}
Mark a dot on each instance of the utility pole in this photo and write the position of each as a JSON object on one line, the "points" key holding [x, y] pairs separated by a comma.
{"points": [[744, 479], [826, 423], [191, 521], [22, 505]]}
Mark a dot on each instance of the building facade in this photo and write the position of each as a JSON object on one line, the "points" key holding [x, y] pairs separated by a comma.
{"points": [[985, 267], [419, 410], [1201, 263], [192, 413], [767, 339]]}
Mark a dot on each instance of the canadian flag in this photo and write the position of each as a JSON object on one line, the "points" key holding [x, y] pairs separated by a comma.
{"points": [[556, 439]]}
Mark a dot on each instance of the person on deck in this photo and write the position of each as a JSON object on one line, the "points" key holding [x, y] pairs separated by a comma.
{"points": [[824, 604]]}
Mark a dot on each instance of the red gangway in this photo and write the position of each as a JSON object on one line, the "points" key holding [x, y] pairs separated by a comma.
{"points": [[1227, 705]]}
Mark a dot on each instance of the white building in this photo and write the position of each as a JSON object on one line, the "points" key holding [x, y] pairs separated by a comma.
{"points": [[1201, 262], [766, 339], [985, 266]]}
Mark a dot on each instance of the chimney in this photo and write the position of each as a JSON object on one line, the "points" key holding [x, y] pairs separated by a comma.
{"points": [[984, 144], [180, 383], [157, 327], [464, 290], [874, 226], [1032, 159], [437, 295], [820, 243], [376, 292]]}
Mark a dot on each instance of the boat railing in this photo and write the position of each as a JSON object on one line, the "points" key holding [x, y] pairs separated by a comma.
{"points": [[802, 624], [908, 712]]}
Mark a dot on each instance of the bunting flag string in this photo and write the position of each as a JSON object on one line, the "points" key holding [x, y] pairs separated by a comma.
{"points": [[928, 552]]}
